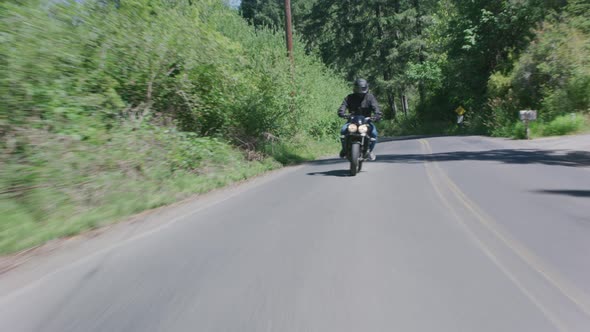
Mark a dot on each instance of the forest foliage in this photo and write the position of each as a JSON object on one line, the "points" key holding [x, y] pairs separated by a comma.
{"points": [[111, 107], [491, 57]]}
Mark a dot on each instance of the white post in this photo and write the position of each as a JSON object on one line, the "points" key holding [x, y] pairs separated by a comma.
{"points": [[526, 116]]}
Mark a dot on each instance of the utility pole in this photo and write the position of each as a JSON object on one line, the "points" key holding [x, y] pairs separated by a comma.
{"points": [[289, 36], [288, 31]]}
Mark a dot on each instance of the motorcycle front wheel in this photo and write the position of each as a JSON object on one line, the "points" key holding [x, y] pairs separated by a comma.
{"points": [[355, 153]]}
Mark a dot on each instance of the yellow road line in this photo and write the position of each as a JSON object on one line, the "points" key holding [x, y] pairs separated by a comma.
{"points": [[488, 252], [526, 255]]}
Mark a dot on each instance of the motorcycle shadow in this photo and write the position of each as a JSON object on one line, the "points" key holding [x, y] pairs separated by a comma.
{"points": [[337, 173]]}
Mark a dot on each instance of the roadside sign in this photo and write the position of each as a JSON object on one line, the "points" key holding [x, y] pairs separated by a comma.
{"points": [[460, 110], [528, 115]]}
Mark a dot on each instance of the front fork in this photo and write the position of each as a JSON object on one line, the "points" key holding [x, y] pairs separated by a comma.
{"points": [[364, 149]]}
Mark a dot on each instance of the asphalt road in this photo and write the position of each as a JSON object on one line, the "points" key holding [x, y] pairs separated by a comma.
{"points": [[439, 234]]}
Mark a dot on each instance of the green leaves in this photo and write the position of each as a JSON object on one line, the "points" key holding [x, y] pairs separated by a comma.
{"points": [[429, 72], [107, 110], [198, 66], [552, 75]]}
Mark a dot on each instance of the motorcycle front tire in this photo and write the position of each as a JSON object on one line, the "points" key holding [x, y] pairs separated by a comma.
{"points": [[355, 153]]}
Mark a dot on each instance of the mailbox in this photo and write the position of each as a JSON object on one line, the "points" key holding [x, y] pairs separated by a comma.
{"points": [[528, 115]]}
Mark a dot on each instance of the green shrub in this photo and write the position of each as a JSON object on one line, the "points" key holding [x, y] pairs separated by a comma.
{"points": [[551, 76], [518, 130], [106, 111], [211, 73], [562, 125]]}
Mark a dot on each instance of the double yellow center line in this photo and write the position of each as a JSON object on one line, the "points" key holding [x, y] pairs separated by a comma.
{"points": [[477, 219]]}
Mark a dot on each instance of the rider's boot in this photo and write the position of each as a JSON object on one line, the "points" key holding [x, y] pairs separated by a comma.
{"points": [[343, 150], [372, 155]]}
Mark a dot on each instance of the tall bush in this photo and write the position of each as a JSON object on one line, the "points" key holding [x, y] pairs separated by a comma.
{"points": [[552, 75], [199, 65]]}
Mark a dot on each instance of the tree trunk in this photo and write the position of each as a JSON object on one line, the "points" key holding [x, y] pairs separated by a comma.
{"points": [[397, 9], [392, 110], [391, 100], [405, 106], [384, 52], [421, 57]]}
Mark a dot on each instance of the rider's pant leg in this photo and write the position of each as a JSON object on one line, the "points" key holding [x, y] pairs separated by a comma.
{"points": [[374, 137], [343, 133]]}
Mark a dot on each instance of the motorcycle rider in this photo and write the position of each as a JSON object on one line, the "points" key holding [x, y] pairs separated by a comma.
{"points": [[360, 102]]}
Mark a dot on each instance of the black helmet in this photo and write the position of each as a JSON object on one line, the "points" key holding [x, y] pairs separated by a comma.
{"points": [[361, 86]]}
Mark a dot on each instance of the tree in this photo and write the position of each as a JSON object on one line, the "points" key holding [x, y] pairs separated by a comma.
{"points": [[267, 13], [438, 53], [486, 36], [381, 43]]}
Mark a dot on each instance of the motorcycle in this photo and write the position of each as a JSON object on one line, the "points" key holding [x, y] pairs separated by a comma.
{"points": [[357, 142]]}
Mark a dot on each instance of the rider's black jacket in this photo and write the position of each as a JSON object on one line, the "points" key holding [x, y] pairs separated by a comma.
{"points": [[359, 104]]}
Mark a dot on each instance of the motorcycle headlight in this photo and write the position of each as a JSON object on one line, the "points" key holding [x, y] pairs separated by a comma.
{"points": [[352, 128], [363, 129]]}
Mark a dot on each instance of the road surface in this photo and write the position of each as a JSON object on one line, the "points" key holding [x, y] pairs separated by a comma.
{"points": [[439, 234]]}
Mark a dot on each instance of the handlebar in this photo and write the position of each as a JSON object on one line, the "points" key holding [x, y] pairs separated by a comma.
{"points": [[368, 118]]}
